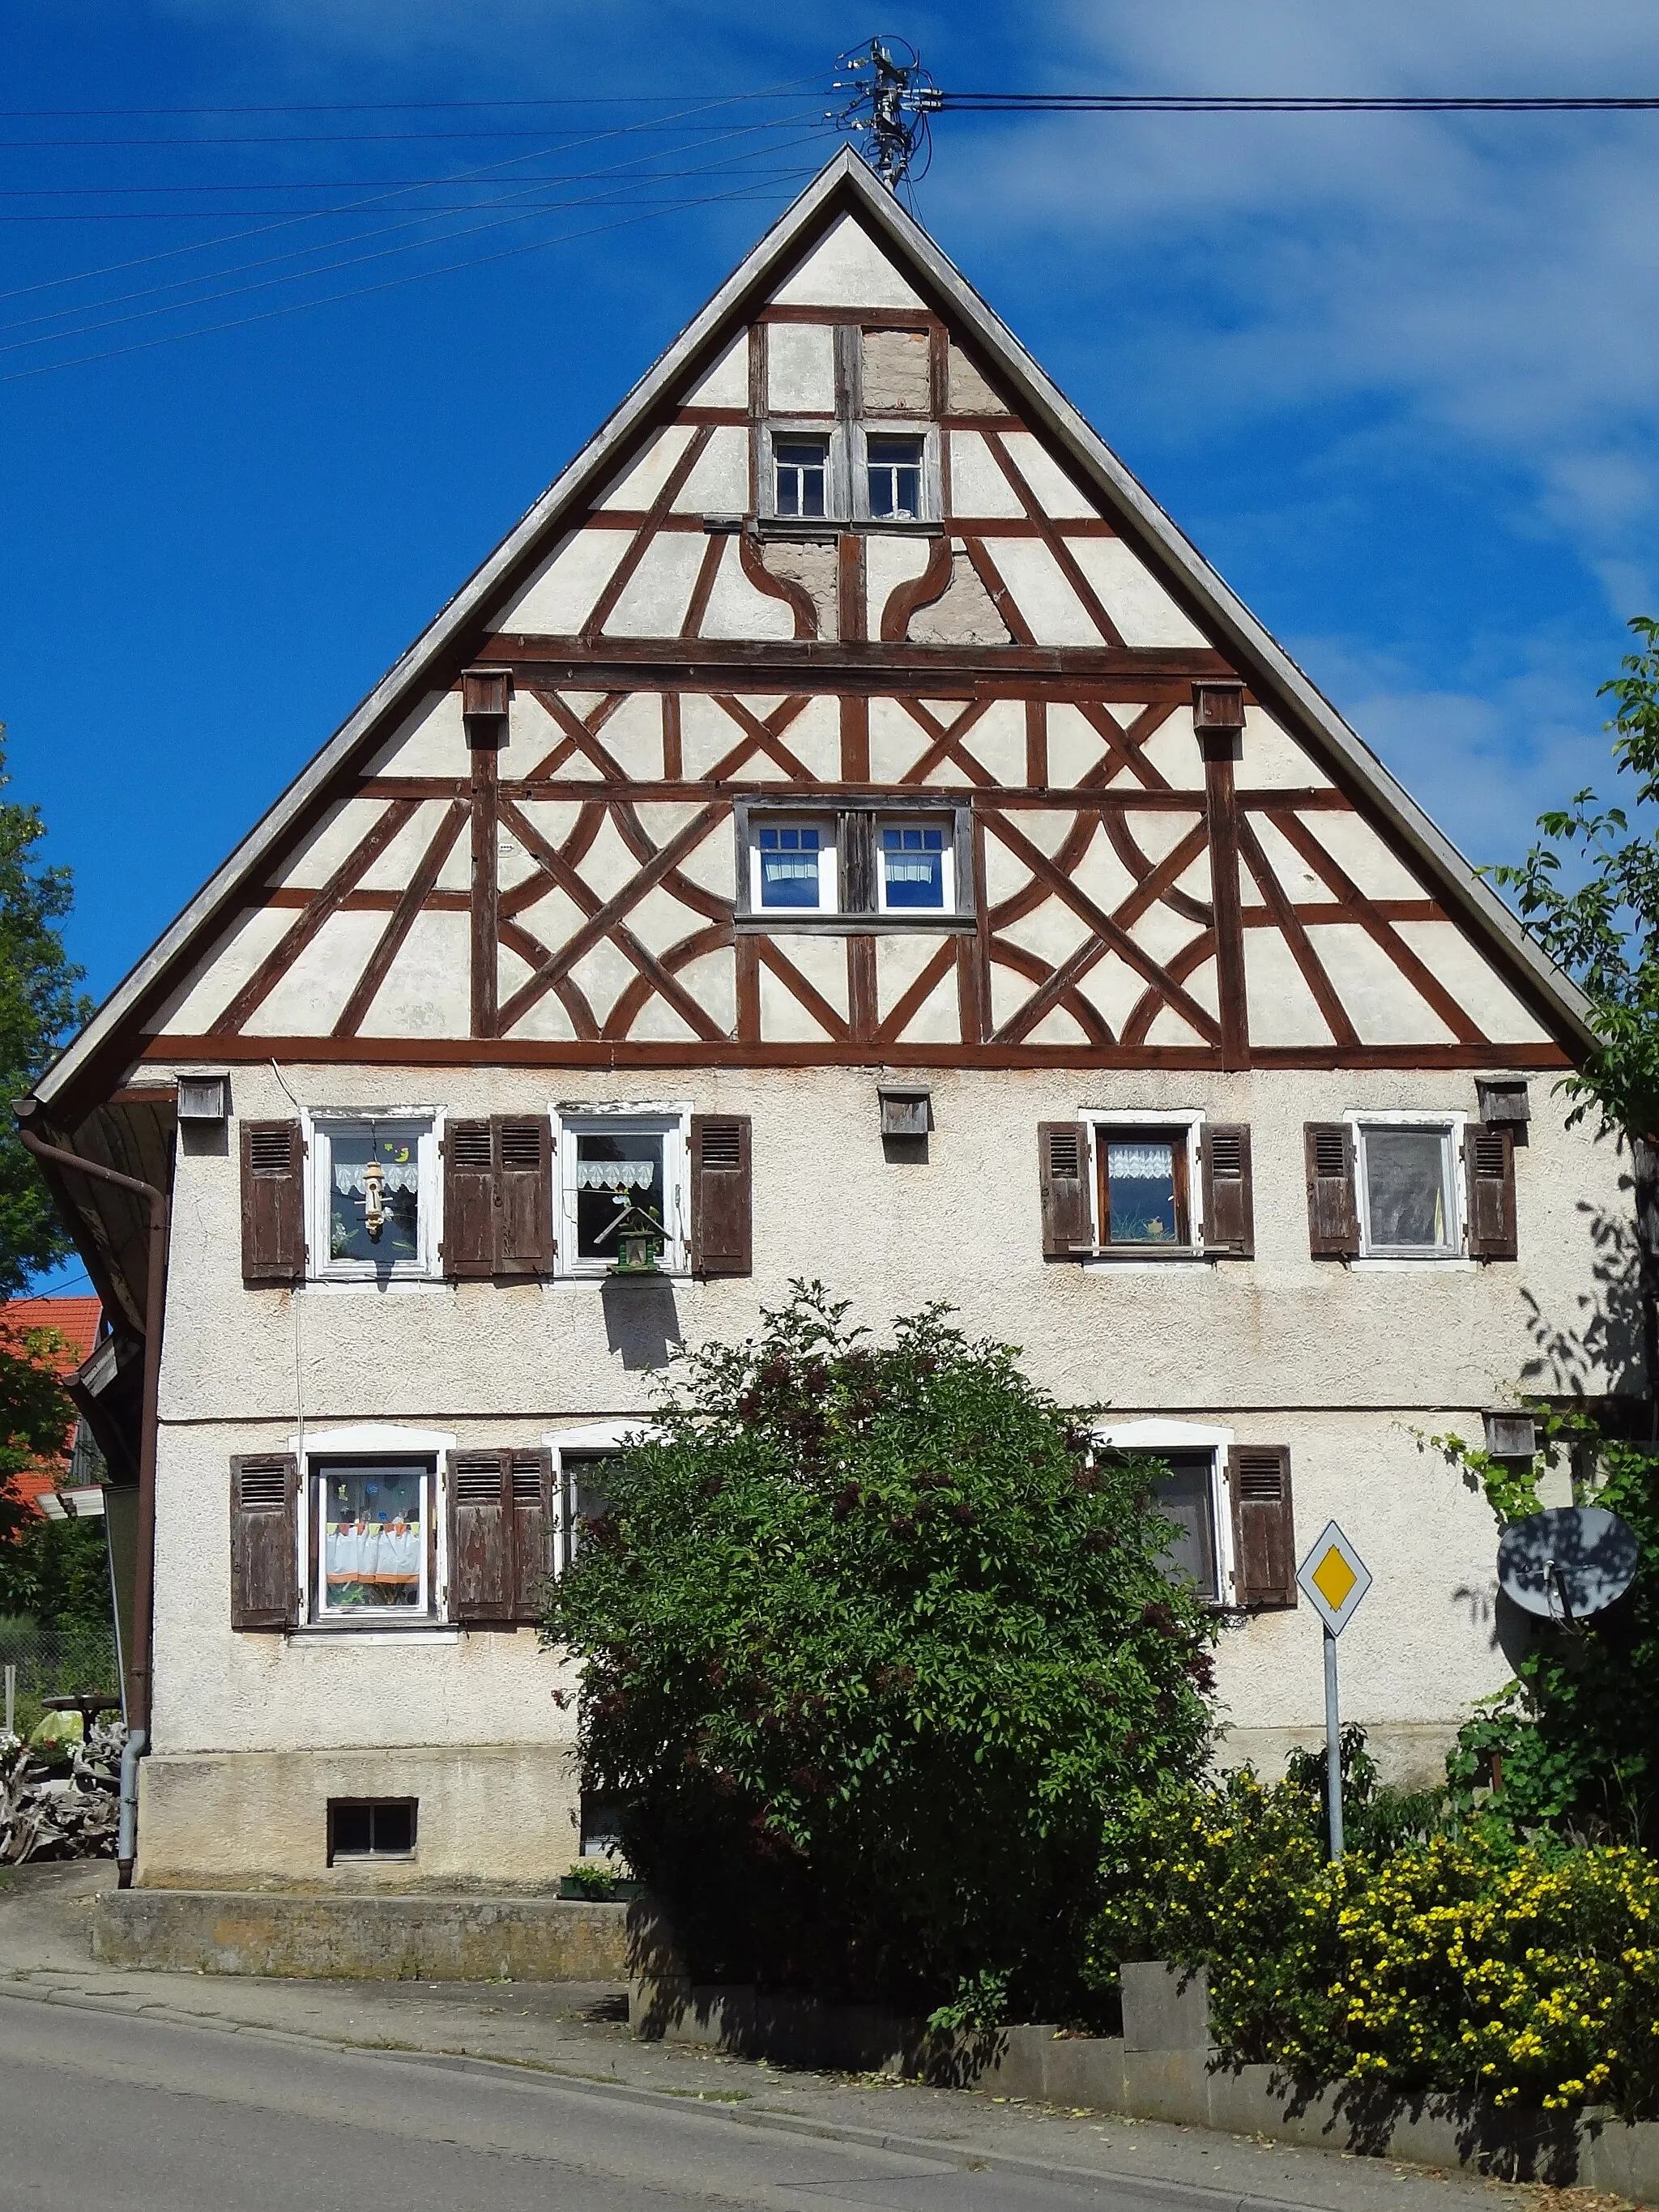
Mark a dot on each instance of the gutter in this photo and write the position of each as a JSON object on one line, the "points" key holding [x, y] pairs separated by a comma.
{"points": [[144, 1569]]}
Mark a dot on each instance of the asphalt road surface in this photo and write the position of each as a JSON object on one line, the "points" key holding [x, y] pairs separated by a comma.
{"points": [[100, 2113]]}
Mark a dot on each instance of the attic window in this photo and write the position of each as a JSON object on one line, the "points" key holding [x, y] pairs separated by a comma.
{"points": [[801, 468], [895, 466]]}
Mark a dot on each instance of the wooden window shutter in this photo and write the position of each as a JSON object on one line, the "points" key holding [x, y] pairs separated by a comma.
{"points": [[524, 1215], [534, 1522], [469, 1199], [1489, 1175], [1333, 1214], [1229, 1196], [273, 1202], [722, 1200], [1063, 1176], [264, 1498], [482, 1580], [1264, 1531]]}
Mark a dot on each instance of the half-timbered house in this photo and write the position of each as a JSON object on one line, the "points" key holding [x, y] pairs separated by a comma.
{"points": [[845, 830]]}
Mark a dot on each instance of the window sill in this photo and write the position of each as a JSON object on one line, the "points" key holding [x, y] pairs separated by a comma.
{"points": [[825, 526], [1449, 1263], [1103, 1261], [846, 925], [331, 1632], [375, 1286]]}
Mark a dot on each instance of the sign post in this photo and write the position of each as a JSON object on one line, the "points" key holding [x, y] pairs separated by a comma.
{"points": [[1334, 1579]]}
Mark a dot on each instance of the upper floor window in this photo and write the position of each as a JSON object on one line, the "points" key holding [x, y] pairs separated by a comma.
{"points": [[894, 473], [373, 1197], [1144, 1182], [1116, 1187], [917, 867], [1408, 1191], [801, 468], [792, 863], [622, 1171], [893, 863]]}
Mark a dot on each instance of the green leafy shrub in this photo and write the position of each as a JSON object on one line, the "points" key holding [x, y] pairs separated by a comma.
{"points": [[1528, 1974], [870, 1650], [1575, 1734]]}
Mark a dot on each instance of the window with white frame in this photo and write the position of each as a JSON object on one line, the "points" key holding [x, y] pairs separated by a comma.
{"points": [[916, 866], [1189, 1494], [792, 866], [895, 468], [371, 1548], [901, 864], [619, 1169], [373, 1196], [584, 1499], [1406, 1172], [1145, 1184], [800, 477]]}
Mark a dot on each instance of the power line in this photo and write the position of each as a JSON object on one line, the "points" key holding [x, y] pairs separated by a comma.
{"points": [[931, 101], [363, 291], [367, 107]]}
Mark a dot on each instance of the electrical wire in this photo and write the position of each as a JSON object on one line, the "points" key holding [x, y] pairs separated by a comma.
{"points": [[330, 245], [364, 291], [202, 246], [1171, 103]]}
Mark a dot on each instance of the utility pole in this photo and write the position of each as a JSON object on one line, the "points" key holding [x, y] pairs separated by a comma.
{"points": [[892, 98]]}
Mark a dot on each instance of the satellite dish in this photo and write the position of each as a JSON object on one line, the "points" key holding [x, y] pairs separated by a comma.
{"points": [[1567, 1562]]}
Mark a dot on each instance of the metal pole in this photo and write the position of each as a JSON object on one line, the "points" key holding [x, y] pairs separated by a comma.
{"points": [[11, 1698], [1332, 1749]]}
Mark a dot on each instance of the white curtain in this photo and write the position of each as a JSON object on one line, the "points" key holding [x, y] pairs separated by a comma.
{"points": [[616, 1174], [1139, 1163], [400, 1175]]}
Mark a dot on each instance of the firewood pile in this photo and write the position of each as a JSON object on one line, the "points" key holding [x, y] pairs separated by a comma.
{"points": [[70, 1816]]}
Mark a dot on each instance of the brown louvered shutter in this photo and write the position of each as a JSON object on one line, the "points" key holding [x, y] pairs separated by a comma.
{"points": [[469, 1199], [481, 1576], [531, 1480], [1229, 1198], [722, 1202], [264, 1582], [524, 1243], [1489, 1174], [273, 1202], [1063, 1176], [1333, 1215], [1264, 1532]]}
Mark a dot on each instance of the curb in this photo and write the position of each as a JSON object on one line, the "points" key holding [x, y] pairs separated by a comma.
{"points": [[534, 2074]]}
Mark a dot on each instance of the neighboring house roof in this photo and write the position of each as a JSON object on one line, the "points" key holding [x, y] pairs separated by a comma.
{"points": [[113, 1036], [76, 1320]]}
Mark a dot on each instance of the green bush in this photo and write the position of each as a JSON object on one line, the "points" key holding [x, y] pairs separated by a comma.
{"points": [[870, 1650], [1528, 1974]]}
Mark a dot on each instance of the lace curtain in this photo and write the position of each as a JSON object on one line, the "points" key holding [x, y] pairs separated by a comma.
{"points": [[1139, 1163]]}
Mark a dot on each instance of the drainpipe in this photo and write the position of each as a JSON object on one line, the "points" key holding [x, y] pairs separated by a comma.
{"points": [[144, 1569]]}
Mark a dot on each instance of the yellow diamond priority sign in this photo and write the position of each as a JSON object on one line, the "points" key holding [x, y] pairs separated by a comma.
{"points": [[1334, 1579]]}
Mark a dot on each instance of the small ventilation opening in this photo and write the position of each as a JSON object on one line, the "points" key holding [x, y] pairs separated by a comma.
{"points": [[521, 1144], [1330, 1152], [271, 1151], [477, 1479], [722, 1145], [469, 1144], [371, 1827], [1227, 1155], [1489, 1156], [1065, 1155], [526, 1478], [1261, 1477], [265, 1486]]}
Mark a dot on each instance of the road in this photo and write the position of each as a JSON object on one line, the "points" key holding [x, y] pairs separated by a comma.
{"points": [[101, 2113]]}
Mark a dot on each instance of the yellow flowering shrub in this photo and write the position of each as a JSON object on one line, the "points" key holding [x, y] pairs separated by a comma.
{"points": [[1530, 1975]]}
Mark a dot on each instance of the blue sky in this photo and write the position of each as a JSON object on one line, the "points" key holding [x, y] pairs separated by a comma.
{"points": [[1393, 375]]}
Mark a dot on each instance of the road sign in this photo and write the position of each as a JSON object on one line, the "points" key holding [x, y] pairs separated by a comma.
{"points": [[1334, 1579]]}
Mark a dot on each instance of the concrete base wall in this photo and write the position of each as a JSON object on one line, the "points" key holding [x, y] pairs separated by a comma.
{"points": [[1161, 2069], [372, 1939], [493, 1815]]}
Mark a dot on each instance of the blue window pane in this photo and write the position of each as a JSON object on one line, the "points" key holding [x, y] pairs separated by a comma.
{"points": [[913, 867], [789, 866]]}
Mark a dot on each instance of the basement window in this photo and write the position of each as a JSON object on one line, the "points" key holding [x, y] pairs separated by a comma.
{"points": [[371, 1827]]}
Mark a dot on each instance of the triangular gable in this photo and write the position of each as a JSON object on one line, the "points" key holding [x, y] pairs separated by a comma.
{"points": [[347, 914]]}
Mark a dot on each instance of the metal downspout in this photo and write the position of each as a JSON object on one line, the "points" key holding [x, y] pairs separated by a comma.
{"points": [[144, 1566]]}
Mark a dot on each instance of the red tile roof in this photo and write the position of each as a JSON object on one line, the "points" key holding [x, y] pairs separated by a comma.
{"points": [[76, 1320]]}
